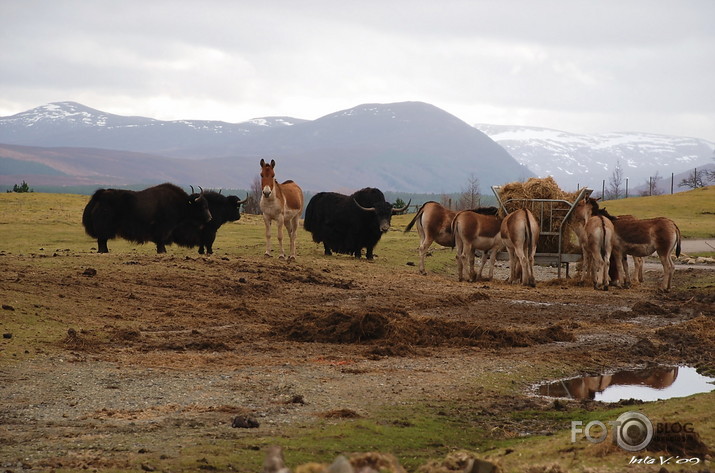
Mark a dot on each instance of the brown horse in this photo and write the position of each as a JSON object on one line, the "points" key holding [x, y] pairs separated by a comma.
{"points": [[641, 238], [473, 231], [434, 224], [520, 233], [596, 235], [600, 240], [280, 202]]}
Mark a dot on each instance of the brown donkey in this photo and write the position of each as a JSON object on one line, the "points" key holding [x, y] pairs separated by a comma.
{"points": [[280, 202], [520, 234]]}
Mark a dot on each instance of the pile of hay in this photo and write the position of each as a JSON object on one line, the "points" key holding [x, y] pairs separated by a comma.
{"points": [[549, 220]]}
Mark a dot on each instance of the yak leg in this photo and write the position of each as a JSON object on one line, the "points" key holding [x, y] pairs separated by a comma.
{"points": [[102, 246], [267, 221]]}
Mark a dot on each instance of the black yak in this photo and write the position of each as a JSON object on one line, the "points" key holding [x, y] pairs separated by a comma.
{"points": [[347, 224], [223, 209], [141, 216]]}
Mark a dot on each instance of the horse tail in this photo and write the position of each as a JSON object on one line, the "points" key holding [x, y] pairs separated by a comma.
{"points": [[529, 236], [603, 238], [417, 215], [677, 245]]}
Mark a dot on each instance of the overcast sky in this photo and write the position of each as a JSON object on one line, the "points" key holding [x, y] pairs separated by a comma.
{"points": [[580, 66]]}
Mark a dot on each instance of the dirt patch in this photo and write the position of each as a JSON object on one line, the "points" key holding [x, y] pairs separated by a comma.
{"points": [[401, 329], [180, 347]]}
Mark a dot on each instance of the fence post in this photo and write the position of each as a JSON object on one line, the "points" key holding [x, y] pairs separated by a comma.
{"points": [[603, 190], [626, 188], [672, 176]]}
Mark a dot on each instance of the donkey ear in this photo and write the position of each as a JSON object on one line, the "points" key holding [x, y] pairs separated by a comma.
{"points": [[273, 163], [263, 162]]}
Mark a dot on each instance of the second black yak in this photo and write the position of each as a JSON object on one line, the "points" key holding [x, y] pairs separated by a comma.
{"points": [[349, 223]]}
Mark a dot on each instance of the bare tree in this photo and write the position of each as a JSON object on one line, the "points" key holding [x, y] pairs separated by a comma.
{"points": [[470, 197], [695, 179], [446, 201], [652, 185], [254, 197], [615, 183]]}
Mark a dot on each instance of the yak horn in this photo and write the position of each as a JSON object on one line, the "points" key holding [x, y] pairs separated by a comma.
{"points": [[367, 209], [396, 211], [243, 201], [202, 190], [192, 189]]}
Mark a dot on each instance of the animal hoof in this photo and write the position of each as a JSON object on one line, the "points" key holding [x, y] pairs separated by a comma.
{"points": [[267, 255]]}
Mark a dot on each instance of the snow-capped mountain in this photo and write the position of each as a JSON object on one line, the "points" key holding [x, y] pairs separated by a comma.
{"points": [[407, 146], [73, 124], [586, 160]]}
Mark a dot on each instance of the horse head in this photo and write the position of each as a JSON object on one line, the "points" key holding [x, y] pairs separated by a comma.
{"points": [[268, 177]]}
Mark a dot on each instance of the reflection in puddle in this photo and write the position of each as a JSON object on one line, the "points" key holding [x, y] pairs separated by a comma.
{"points": [[649, 384]]}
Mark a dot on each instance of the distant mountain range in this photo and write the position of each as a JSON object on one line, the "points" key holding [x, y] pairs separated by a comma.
{"points": [[586, 160], [409, 146]]}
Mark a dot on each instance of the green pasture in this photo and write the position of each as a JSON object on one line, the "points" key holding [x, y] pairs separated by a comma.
{"points": [[692, 211], [46, 223], [37, 223]]}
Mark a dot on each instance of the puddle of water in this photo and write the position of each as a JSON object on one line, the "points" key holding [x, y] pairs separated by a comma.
{"points": [[649, 384]]}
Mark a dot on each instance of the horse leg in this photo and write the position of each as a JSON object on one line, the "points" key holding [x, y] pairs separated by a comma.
{"points": [[267, 221], [514, 267], [638, 268], [292, 227], [470, 259], [482, 262], [459, 257], [668, 270], [280, 224], [424, 246]]}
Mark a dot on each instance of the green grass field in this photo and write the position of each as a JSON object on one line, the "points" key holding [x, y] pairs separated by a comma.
{"points": [[693, 211]]}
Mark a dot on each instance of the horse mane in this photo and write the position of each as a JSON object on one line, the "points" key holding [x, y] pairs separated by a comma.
{"points": [[485, 210]]}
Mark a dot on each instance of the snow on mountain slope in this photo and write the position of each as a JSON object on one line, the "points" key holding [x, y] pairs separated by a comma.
{"points": [[585, 160]]}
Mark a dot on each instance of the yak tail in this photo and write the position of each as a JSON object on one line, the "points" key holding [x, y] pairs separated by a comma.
{"points": [[417, 215], [87, 220]]}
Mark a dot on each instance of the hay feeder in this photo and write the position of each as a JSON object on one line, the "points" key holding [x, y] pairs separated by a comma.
{"points": [[552, 208]]}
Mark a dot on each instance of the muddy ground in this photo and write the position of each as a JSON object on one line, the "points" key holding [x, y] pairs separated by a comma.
{"points": [[126, 361]]}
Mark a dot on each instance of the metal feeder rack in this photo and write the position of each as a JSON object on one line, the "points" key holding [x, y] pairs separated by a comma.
{"points": [[556, 216]]}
